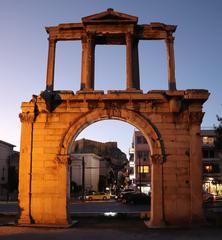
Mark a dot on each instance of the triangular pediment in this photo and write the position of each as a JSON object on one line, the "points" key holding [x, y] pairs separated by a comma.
{"points": [[110, 16]]}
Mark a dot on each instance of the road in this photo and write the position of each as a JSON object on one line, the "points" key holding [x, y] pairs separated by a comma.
{"points": [[102, 206], [87, 207]]}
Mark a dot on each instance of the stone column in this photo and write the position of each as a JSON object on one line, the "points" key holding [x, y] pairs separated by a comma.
{"points": [[51, 65], [129, 61], [88, 62], [171, 62], [196, 168], [136, 73], [25, 168], [157, 202]]}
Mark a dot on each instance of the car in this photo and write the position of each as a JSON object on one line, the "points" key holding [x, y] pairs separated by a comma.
{"points": [[97, 196], [208, 197], [136, 198], [120, 195]]}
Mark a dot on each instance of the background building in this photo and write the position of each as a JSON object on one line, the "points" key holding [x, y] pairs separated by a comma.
{"points": [[211, 160], [104, 165], [89, 165], [212, 163], [9, 164], [139, 162]]}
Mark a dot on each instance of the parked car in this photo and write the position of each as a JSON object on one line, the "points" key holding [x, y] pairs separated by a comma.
{"points": [[136, 198], [208, 197], [97, 196], [120, 195]]}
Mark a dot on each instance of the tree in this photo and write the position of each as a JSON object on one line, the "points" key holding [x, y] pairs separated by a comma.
{"points": [[102, 183], [218, 131]]}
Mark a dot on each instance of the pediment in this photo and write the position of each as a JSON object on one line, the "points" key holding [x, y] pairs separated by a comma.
{"points": [[109, 16]]}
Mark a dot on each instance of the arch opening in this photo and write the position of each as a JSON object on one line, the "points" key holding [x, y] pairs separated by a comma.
{"points": [[105, 165], [148, 130]]}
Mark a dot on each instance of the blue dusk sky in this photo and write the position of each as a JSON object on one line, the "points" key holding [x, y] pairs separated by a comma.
{"points": [[24, 49]]}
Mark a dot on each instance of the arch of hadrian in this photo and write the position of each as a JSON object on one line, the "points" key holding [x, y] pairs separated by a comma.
{"points": [[170, 121]]}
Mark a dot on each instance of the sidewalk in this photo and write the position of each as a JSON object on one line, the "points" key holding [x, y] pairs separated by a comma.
{"points": [[109, 229], [121, 228]]}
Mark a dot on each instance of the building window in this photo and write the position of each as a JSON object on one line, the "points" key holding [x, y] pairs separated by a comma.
{"points": [[143, 169], [211, 168], [131, 170], [208, 140], [3, 174], [208, 153], [208, 169], [141, 140], [143, 155]]}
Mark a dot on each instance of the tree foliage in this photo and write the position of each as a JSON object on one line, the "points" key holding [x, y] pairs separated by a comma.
{"points": [[218, 131]]}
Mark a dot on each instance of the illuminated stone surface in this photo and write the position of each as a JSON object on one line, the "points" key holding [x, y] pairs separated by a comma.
{"points": [[170, 121]]}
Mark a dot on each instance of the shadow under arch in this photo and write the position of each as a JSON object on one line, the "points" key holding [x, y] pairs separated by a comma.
{"points": [[153, 137]]}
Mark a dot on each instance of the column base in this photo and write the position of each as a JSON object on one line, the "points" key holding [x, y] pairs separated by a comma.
{"points": [[154, 224], [68, 225], [90, 91], [24, 220], [124, 91]]}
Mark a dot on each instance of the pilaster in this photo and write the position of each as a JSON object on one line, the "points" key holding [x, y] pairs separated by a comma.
{"points": [[25, 168], [195, 167], [157, 203]]}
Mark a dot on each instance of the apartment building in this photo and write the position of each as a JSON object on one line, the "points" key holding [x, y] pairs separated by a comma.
{"points": [[140, 171], [139, 163], [212, 163]]}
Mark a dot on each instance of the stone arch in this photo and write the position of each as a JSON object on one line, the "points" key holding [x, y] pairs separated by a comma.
{"points": [[148, 129], [153, 137]]}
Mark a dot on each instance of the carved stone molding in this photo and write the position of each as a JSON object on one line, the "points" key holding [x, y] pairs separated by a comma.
{"points": [[93, 105], [196, 117], [27, 117], [157, 159], [63, 159]]}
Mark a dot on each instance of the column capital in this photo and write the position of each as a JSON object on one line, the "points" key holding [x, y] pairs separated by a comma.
{"points": [[128, 37], [63, 158], [196, 117], [52, 40], [170, 38], [27, 117], [88, 37]]}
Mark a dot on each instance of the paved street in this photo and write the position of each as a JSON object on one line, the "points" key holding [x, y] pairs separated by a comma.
{"points": [[107, 206], [101, 207], [86, 207], [125, 227]]}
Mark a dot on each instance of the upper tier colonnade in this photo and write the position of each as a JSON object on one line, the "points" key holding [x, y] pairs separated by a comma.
{"points": [[110, 27]]}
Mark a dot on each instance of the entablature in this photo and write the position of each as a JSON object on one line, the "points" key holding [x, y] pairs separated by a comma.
{"points": [[110, 23]]}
